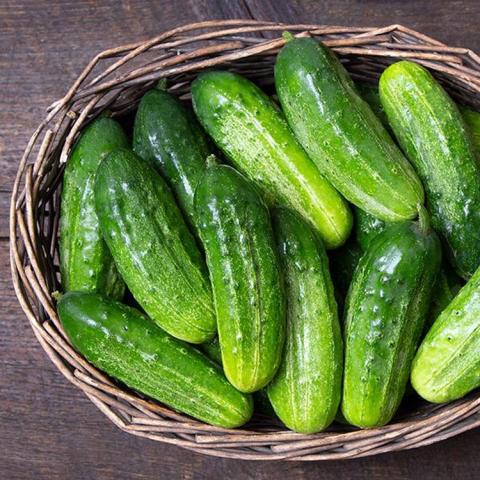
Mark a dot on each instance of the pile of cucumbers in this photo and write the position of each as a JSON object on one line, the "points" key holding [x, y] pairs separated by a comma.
{"points": [[194, 258]]}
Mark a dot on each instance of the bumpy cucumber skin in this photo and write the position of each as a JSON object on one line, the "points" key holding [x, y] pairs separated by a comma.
{"points": [[341, 134], [367, 227], [126, 345], [85, 262], [306, 390], [153, 247], [447, 364], [385, 312], [249, 129], [430, 129], [245, 274], [168, 136]]}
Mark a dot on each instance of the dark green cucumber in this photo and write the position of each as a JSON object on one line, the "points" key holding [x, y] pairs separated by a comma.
{"points": [[431, 131], [305, 393], [168, 136], [126, 345], [369, 93], [445, 289], [153, 247], [472, 120], [235, 229], [447, 284], [447, 364], [367, 227], [343, 263], [385, 311], [248, 128], [341, 134], [85, 262]]}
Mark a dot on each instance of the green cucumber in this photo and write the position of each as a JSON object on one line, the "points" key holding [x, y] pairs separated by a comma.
{"points": [[445, 289], [248, 128], [369, 93], [153, 247], [367, 227], [212, 350], [343, 263], [168, 136], [431, 131], [126, 345], [385, 311], [85, 262], [341, 134], [305, 392], [235, 229], [447, 364]]}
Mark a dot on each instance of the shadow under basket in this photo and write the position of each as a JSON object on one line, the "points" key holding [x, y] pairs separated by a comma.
{"points": [[115, 80]]}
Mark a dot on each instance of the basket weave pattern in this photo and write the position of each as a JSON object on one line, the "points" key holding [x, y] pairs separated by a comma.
{"points": [[115, 80]]}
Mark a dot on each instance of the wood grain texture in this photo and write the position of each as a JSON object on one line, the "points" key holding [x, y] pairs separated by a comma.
{"points": [[48, 429]]}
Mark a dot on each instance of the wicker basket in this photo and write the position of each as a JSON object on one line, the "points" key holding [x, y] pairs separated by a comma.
{"points": [[115, 80]]}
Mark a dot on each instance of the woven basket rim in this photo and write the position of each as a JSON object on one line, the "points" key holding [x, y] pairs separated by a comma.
{"points": [[130, 70]]}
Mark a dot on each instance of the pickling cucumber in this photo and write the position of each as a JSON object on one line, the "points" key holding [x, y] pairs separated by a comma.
{"points": [[153, 247], [249, 129], [245, 274], [168, 136], [385, 310], [128, 346], [431, 131], [341, 134], [85, 262], [447, 364], [305, 393]]}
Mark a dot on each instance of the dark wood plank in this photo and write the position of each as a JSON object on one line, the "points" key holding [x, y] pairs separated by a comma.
{"points": [[48, 429], [452, 22]]}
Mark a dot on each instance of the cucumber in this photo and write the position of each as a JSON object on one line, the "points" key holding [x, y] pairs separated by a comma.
{"points": [[343, 262], [341, 134], [385, 311], [236, 232], [153, 247], [472, 120], [369, 93], [248, 128], [430, 129], [445, 289], [367, 227], [447, 284], [168, 136], [212, 350], [85, 262], [447, 364], [129, 347], [305, 392]]}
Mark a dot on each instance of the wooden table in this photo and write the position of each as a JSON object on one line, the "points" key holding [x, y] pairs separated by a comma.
{"points": [[48, 429]]}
